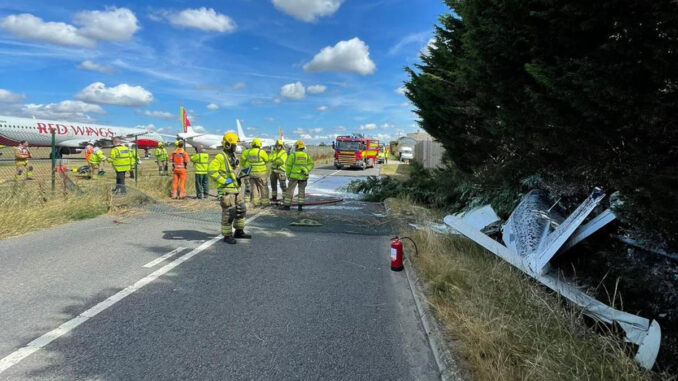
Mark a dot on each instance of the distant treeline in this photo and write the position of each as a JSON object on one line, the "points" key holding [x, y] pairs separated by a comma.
{"points": [[561, 95]]}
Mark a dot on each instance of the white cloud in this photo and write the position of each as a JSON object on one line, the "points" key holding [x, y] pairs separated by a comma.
{"points": [[7, 96], [212, 106], [157, 114], [426, 50], [315, 130], [93, 66], [293, 91], [322, 108], [298, 131], [317, 89], [199, 129], [239, 85], [269, 119], [112, 24], [121, 95], [340, 129], [65, 110], [405, 104], [30, 27], [251, 128], [401, 90], [413, 38], [368, 126], [277, 100], [385, 126], [308, 10], [352, 55], [206, 19]]}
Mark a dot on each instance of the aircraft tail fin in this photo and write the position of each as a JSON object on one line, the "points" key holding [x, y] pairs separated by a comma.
{"points": [[241, 132], [185, 123]]}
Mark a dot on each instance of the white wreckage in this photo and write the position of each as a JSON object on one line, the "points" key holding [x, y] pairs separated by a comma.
{"points": [[534, 234]]}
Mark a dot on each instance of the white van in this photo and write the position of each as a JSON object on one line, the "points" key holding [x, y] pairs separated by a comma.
{"points": [[406, 154]]}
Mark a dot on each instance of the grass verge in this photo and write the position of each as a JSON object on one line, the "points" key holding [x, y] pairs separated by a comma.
{"points": [[505, 325], [399, 172]]}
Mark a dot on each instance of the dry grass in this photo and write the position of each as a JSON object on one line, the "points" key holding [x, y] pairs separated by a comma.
{"points": [[397, 171], [31, 206], [509, 327]]}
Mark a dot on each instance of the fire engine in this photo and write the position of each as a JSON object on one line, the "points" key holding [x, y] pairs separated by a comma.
{"points": [[355, 151]]}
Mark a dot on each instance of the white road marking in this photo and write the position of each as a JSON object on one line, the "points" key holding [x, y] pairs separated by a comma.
{"points": [[37, 344], [164, 257]]}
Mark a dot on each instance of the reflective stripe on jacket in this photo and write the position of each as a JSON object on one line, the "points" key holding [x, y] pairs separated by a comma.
{"points": [[201, 162], [278, 159], [160, 154], [133, 159], [256, 158], [179, 158], [120, 158], [299, 165], [223, 174]]}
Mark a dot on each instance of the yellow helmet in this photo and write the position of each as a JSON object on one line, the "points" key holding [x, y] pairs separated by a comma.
{"points": [[279, 143], [229, 139], [160, 144], [256, 143], [299, 144], [176, 143]]}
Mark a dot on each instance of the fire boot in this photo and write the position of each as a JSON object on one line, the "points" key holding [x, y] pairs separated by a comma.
{"points": [[300, 207], [230, 240], [239, 233], [286, 207]]}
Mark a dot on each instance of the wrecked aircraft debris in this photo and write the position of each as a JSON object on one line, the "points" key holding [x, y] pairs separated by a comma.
{"points": [[534, 234]]}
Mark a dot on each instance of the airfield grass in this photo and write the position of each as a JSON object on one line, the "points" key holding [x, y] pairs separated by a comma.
{"points": [[504, 325]]}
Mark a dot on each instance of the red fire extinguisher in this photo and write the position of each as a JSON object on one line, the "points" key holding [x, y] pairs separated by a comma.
{"points": [[396, 254]]}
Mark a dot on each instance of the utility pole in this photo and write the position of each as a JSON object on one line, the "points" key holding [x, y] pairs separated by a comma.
{"points": [[53, 159], [136, 159]]}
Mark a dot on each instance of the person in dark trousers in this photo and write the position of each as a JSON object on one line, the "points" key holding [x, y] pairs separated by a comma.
{"points": [[200, 162], [120, 158]]}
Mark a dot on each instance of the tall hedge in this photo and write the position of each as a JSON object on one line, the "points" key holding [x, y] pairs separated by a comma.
{"points": [[562, 95]]}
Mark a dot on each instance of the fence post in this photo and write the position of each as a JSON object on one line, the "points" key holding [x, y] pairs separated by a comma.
{"points": [[53, 160], [136, 160]]}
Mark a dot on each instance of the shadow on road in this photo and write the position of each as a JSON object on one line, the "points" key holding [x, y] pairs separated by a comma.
{"points": [[186, 235]]}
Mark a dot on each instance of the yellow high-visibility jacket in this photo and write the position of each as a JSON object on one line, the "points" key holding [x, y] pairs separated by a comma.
{"points": [[120, 158], [299, 165], [97, 157], [201, 163], [160, 154], [278, 159], [256, 158], [223, 172]]}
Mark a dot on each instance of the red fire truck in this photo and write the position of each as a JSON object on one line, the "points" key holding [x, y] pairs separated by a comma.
{"points": [[355, 151]]}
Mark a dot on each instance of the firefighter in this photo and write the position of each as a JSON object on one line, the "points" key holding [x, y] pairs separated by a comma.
{"points": [[88, 152], [255, 160], [278, 158], [298, 166], [179, 159], [201, 161], [224, 171], [161, 158], [96, 160], [21, 156], [133, 159], [120, 158]]}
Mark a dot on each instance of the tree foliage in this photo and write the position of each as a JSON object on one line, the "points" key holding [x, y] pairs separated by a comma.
{"points": [[563, 95]]}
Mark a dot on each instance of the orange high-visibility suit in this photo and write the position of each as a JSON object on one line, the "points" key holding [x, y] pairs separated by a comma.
{"points": [[179, 159]]}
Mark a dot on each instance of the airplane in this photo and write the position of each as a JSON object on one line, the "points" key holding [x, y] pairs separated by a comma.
{"points": [[213, 141], [70, 137]]}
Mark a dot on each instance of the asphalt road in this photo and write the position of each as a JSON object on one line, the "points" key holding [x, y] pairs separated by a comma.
{"points": [[297, 302], [329, 169]]}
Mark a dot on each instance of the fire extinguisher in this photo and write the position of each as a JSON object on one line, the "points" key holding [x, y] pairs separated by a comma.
{"points": [[397, 252]]}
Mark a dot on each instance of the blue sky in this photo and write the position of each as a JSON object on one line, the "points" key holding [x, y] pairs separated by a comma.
{"points": [[316, 68]]}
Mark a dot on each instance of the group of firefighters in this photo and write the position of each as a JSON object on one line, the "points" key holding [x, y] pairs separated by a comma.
{"points": [[232, 174]]}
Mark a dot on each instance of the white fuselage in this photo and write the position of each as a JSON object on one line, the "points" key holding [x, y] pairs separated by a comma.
{"points": [[72, 135]]}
